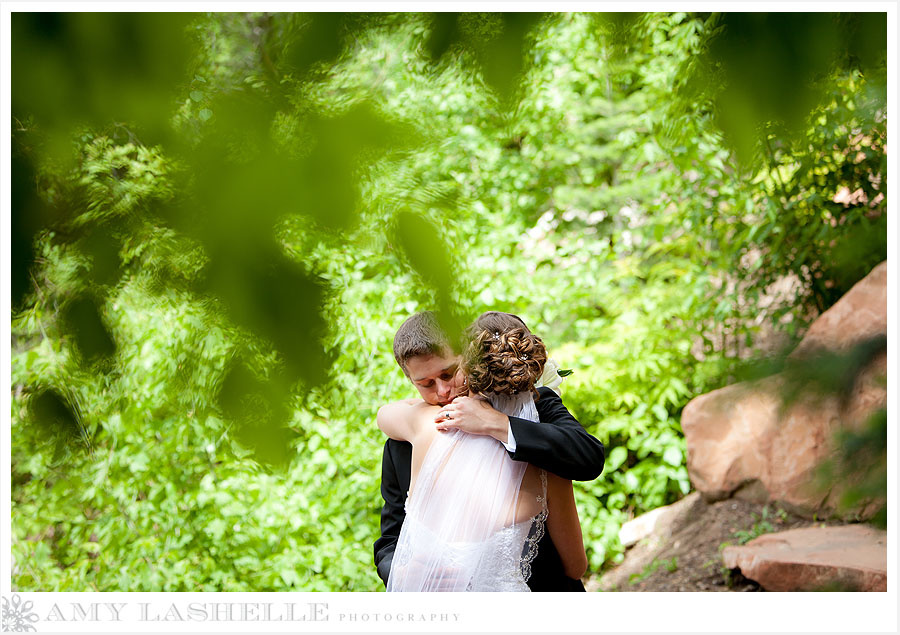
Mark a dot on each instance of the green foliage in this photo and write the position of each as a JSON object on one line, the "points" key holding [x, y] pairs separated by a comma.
{"points": [[809, 193], [760, 526], [206, 289], [727, 576], [736, 67], [858, 473], [671, 565]]}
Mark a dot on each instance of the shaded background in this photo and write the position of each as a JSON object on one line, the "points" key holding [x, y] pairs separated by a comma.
{"points": [[218, 221]]}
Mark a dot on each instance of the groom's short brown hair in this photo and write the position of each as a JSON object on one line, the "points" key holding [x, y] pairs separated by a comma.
{"points": [[420, 334]]}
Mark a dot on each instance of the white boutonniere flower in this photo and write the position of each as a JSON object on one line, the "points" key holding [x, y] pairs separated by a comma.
{"points": [[553, 376]]}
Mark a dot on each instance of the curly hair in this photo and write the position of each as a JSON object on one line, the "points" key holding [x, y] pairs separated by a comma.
{"points": [[503, 361]]}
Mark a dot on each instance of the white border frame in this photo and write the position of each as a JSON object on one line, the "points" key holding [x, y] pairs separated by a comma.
{"points": [[378, 612]]}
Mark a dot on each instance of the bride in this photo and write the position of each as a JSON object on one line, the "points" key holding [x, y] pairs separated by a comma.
{"points": [[474, 516]]}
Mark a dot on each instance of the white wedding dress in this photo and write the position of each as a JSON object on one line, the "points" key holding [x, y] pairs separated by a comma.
{"points": [[474, 516]]}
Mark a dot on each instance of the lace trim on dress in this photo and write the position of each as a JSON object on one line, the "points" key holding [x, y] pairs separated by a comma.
{"points": [[534, 536]]}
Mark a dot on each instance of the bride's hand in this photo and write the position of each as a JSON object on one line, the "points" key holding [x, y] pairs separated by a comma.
{"points": [[475, 416]]}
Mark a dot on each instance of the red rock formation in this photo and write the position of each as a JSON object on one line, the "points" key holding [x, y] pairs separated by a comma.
{"points": [[740, 440], [846, 558], [860, 314]]}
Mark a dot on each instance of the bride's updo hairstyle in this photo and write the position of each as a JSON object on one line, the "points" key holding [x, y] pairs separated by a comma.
{"points": [[502, 355]]}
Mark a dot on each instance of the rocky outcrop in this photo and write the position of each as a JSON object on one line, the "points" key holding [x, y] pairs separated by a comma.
{"points": [[845, 558], [743, 440], [860, 314], [738, 441], [660, 522]]}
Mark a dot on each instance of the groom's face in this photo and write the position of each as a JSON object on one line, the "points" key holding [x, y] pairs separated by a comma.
{"points": [[436, 378]]}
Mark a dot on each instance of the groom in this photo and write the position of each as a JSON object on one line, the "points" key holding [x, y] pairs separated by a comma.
{"points": [[558, 443]]}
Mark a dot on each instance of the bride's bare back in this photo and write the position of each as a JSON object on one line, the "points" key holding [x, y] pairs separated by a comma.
{"points": [[473, 515], [421, 433]]}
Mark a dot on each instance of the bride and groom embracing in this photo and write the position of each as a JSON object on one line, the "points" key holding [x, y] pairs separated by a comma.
{"points": [[477, 474]]}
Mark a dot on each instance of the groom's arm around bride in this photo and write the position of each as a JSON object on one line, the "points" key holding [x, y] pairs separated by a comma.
{"points": [[558, 444], [566, 449]]}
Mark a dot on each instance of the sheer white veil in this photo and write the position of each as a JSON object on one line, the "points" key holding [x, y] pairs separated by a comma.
{"points": [[467, 492]]}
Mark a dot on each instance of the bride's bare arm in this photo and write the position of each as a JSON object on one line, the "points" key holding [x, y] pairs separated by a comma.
{"points": [[401, 420], [564, 526]]}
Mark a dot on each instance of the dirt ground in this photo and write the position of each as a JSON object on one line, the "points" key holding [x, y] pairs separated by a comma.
{"points": [[685, 554]]}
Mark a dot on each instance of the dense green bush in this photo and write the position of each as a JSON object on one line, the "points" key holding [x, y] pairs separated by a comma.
{"points": [[207, 338]]}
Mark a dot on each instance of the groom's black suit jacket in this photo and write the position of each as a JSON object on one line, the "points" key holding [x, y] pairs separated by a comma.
{"points": [[557, 444]]}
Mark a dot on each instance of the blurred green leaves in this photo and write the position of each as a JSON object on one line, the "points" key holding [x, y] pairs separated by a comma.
{"points": [[244, 183], [427, 253], [260, 415], [497, 41], [225, 186], [762, 67], [82, 319], [860, 469], [433, 258], [59, 421], [501, 45], [318, 40], [30, 214], [94, 68], [815, 373]]}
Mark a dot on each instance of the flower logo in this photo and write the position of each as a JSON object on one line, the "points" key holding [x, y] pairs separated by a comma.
{"points": [[17, 615]]}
